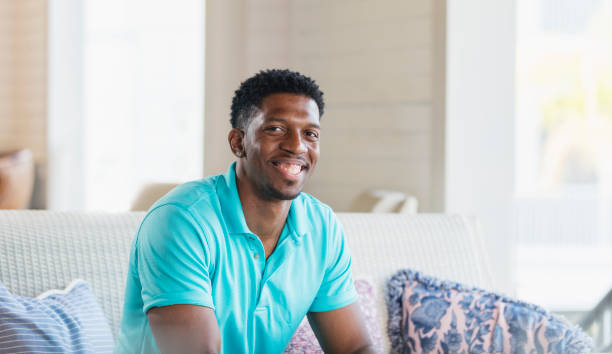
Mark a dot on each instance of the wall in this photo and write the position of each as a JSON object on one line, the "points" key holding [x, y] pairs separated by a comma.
{"points": [[23, 79], [242, 37], [375, 62], [224, 69], [480, 122], [378, 63], [65, 119]]}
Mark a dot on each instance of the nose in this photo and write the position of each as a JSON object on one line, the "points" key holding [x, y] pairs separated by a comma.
{"points": [[293, 143]]}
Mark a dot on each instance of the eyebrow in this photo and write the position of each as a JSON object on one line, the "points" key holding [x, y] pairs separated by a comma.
{"points": [[281, 120]]}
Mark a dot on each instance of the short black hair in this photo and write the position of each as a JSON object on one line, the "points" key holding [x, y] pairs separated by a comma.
{"points": [[253, 90]]}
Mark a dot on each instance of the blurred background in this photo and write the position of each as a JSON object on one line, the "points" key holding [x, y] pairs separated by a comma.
{"points": [[498, 109]]}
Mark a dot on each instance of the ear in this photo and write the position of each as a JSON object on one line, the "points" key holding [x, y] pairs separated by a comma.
{"points": [[236, 139]]}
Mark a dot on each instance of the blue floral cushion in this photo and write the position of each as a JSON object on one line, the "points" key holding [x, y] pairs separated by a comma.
{"points": [[428, 315]]}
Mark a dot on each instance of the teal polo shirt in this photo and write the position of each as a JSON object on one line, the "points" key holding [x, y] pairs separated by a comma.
{"points": [[194, 247]]}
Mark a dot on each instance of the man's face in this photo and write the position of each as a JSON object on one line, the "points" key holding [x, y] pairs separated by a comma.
{"points": [[281, 146]]}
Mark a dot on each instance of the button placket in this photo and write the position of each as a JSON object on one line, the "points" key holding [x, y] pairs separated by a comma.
{"points": [[257, 250]]}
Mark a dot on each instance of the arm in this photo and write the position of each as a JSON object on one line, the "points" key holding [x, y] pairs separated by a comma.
{"points": [[341, 330], [334, 315], [185, 329], [173, 262]]}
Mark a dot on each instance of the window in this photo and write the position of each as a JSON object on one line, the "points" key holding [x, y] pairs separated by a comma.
{"points": [[136, 113], [564, 152]]}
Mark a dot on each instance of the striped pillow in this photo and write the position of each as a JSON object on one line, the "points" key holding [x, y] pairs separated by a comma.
{"points": [[58, 321]]}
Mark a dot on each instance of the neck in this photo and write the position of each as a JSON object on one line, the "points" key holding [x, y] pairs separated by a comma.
{"points": [[265, 217]]}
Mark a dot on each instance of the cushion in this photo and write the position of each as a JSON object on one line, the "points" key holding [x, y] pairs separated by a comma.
{"points": [[430, 315], [305, 341], [67, 321]]}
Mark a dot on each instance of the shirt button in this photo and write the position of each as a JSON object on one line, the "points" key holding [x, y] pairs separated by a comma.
{"points": [[256, 256]]}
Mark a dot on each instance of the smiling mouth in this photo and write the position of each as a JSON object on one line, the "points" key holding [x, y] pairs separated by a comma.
{"points": [[292, 169]]}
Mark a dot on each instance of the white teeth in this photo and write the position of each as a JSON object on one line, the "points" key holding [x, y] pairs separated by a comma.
{"points": [[291, 168]]}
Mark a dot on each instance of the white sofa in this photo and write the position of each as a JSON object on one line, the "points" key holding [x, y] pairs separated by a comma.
{"points": [[42, 250]]}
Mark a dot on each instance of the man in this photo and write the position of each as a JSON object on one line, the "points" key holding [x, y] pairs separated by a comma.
{"points": [[233, 263]]}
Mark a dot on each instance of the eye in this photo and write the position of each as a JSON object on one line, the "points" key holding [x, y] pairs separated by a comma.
{"points": [[274, 129], [312, 134]]}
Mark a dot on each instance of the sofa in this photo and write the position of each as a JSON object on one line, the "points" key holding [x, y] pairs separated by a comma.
{"points": [[42, 250]]}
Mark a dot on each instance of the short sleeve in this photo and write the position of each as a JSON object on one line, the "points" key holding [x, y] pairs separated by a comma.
{"points": [[173, 259], [337, 289]]}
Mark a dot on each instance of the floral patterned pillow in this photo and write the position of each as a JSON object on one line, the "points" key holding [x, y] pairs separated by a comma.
{"points": [[304, 340], [428, 315]]}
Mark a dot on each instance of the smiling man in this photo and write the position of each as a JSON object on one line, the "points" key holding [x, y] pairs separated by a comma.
{"points": [[232, 263]]}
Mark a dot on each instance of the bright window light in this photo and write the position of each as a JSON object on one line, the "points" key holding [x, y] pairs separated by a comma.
{"points": [[563, 152], [143, 78]]}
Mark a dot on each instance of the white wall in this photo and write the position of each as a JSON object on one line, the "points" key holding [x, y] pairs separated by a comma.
{"points": [[480, 122]]}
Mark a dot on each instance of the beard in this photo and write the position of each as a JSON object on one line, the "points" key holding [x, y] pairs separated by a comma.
{"points": [[271, 193]]}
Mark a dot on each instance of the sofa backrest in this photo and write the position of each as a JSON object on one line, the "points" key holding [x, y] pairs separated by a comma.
{"points": [[446, 246], [42, 250]]}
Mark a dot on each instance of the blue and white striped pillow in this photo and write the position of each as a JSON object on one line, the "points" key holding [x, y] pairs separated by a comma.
{"points": [[58, 321]]}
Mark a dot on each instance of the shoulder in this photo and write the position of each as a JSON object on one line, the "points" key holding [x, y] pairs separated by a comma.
{"points": [[182, 219], [311, 205], [190, 193], [196, 201], [315, 215], [325, 232]]}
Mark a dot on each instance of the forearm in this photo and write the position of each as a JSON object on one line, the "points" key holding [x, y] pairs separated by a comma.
{"points": [[178, 344], [172, 340], [185, 329], [342, 330]]}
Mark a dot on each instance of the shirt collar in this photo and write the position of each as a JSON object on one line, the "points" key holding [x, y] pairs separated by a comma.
{"points": [[230, 203], [234, 215], [298, 216]]}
